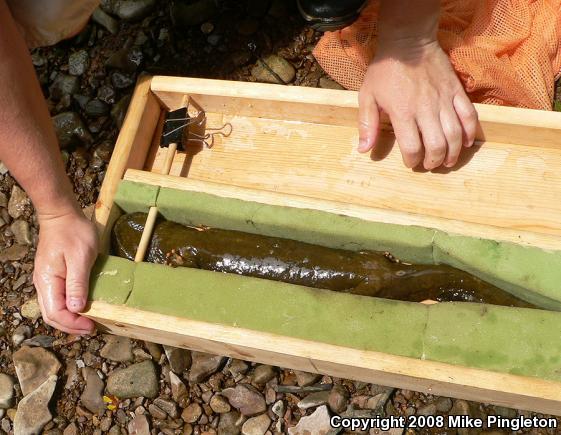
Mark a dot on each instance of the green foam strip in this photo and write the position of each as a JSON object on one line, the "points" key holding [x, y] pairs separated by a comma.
{"points": [[135, 197], [111, 279]]}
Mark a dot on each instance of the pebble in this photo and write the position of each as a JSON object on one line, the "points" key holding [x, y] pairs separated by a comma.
{"points": [[71, 130], [33, 410], [429, 409], [256, 425], [78, 62], [20, 334], [117, 348], [246, 399], [64, 85], [157, 412], [237, 367], [128, 10], [139, 425], [168, 406], [460, 407], [18, 203], [134, 381], [338, 397], [305, 379], [178, 388], [179, 359], [71, 429], [230, 423], [3, 199], [128, 59], [219, 404], [30, 309], [105, 20], [92, 398], [192, 413], [96, 108], [327, 83], [314, 400], [71, 374], [263, 374], [193, 14], [40, 340], [33, 366], [6, 391], [203, 365], [153, 349], [444, 404], [119, 110], [13, 253], [121, 81], [505, 412], [22, 232], [280, 66], [106, 94], [317, 423]]}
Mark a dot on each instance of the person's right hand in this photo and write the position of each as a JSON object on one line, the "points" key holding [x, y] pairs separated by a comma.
{"points": [[416, 86], [66, 252]]}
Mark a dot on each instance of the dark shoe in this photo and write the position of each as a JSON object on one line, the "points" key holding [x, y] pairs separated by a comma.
{"points": [[328, 15]]}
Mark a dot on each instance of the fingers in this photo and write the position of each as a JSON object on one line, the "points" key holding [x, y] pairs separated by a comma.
{"points": [[407, 136], [453, 134], [467, 116], [77, 280], [368, 122], [434, 139]]}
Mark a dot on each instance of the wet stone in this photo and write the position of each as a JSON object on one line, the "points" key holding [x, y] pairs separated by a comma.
{"points": [[96, 108], [105, 20], [256, 425], [78, 62], [263, 374], [119, 110], [246, 399], [179, 359], [121, 81], [70, 129], [128, 10], [117, 348], [134, 381], [92, 396], [34, 366], [273, 69], [6, 391], [203, 365], [33, 410], [64, 85]]}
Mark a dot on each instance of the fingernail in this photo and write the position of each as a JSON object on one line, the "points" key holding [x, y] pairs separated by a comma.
{"points": [[76, 303], [362, 145]]}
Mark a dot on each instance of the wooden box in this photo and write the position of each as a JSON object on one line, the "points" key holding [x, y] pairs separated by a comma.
{"points": [[295, 147]]}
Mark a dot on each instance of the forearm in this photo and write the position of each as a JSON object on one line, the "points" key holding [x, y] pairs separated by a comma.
{"points": [[28, 144], [408, 22]]}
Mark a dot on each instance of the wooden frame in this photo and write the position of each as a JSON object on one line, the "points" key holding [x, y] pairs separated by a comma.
{"points": [[520, 150]]}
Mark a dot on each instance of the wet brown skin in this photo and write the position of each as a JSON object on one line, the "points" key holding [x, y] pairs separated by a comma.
{"points": [[363, 273]]}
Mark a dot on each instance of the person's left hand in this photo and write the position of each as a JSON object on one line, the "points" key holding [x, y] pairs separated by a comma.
{"points": [[66, 252]]}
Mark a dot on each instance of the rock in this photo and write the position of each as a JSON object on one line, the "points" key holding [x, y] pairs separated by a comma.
{"points": [[21, 231], [156, 412], [105, 20], [230, 423], [3, 198], [237, 367], [71, 130], [13, 253], [505, 412], [134, 381], [168, 406], [193, 14], [6, 391], [444, 404], [34, 365], [139, 425], [203, 365], [313, 400], [30, 309], [39, 341], [192, 413], [128, 10], [96, 108], [71, 429], [278, 408], [63, 86], [178, 388], [247, 26], [273, 69], [460, 407], [71, 374], [179, 359], [219, 404], [106, 94], [246, 399], [338, 397], [128, 59], [429, 409], [263, 374], [256, 425], [326, 83], [117, 348], [119, 110], [92, 398], [20, 334], [33, 410], [305, 379], [78, 62], [121, 81], [19, 202], [317, 423]]}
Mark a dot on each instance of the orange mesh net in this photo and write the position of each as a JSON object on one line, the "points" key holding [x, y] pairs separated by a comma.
{"points": [[506, 52]]}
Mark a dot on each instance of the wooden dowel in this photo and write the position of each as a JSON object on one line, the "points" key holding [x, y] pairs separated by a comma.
{"points": [[146, 234], [169, 158]]}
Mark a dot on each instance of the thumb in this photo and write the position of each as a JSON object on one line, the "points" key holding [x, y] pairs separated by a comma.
{"points": [[77, 284], [368, 123]]}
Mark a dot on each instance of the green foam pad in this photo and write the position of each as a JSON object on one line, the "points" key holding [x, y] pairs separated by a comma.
{"points": [[530, 273], [135, 197], [411, 243], [321, 315], [520, 341], [111, 279]]}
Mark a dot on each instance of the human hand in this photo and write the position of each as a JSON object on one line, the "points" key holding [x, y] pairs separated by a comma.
{"points": [[66, 252], [415, 84]]}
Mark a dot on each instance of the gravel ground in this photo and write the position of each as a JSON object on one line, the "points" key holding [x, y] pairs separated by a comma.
{"points": [[108, 384]]}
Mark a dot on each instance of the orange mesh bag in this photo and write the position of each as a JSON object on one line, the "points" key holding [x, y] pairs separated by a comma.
{"points": [[506, 52]]}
